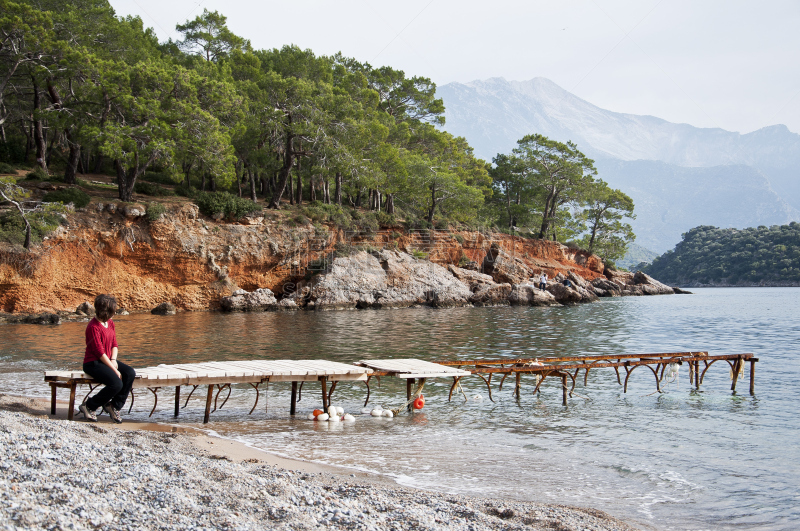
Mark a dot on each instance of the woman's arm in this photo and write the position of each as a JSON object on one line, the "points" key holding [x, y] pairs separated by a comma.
{"points": [[114, 354], [112, 364]]}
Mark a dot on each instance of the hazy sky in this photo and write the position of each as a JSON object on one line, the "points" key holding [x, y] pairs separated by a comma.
{"points": [[729, 64]]}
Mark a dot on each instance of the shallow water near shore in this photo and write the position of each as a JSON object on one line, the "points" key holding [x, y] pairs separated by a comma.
{"points": [[682, 459]]}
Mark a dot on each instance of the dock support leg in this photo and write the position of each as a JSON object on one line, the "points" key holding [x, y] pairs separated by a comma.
{"points": [[409, 385], [71, 412], [518, 385], [177, 399], [564, 390], [752, 377], [53, 397], [293, 407], [209, 398], [737, 365], [323, 380], [697, 375]]}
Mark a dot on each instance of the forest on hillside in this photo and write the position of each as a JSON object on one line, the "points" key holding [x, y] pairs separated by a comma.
{"points": [[712, 256], [83, 91]]}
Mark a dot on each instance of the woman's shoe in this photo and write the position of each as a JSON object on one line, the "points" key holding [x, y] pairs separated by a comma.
{"points": [[88, 414], [113, 413]]}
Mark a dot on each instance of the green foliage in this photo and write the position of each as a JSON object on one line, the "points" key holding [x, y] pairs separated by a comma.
{"points": [[227, 205], [76, 196], [713, 256], [158, 178], [142, 187], [39, 174], [12, 227], [155, 211], [384, 219], [7, 168], [459, 238], [419, 255]]}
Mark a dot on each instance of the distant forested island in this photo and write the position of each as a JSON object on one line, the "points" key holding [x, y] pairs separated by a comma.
{"points": [[709, 256]]}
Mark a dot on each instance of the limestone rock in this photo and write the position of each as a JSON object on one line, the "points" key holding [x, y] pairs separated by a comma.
{"points": [[605, 288], [650, 285], [529, 295], [86, 308], [133, 211], [165, 308], [570, 295], [189, 211], [42, 319], [244, 301], [491, 295], [505, 268], [111, 208], [680, 291], [386, 279], [476, 281]]}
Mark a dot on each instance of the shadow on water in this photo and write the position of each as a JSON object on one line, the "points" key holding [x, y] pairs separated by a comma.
{"points": [[683, 459]]}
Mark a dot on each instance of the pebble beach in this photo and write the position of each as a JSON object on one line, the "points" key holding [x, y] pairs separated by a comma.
{"points": [[58, 474]]}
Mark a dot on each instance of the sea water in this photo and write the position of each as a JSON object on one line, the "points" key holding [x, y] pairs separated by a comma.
{"points": [[681, 459]]}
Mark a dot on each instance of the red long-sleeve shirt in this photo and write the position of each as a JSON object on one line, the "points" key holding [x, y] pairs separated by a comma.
{"points": [[99, 340]]}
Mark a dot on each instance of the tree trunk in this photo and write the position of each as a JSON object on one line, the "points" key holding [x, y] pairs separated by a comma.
{"points": [[284, 173], [433, 204], [212, 182], [390, 203], [38, 130], [299, 191], [253, 177], [326, 191], [126, 178], [357, 202], [72, 162], [338, 196], [98, 163], [312, 190]]}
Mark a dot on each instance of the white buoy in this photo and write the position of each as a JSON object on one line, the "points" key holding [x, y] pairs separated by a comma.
{"points": [[366, 410], [477, 397], [349, 418], [388, 413], [334, 418], [332, 411], [311, 416], [323, 416], [376, 413], [339, 410]]}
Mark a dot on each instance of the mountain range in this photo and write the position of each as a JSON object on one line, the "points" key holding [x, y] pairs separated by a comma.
{"points": [[678, 175]]}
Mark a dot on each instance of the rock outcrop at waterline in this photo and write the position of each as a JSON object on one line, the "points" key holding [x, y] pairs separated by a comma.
{"points": [[196, 263], [394, 279]]}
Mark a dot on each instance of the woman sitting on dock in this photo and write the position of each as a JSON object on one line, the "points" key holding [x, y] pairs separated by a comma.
{"points": [[100, 362]]}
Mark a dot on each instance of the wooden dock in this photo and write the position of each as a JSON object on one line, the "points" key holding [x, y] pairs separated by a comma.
{"points": [[219, 376]]}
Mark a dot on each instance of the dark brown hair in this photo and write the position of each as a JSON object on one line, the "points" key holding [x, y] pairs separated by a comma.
{"points": [[105, 306]]}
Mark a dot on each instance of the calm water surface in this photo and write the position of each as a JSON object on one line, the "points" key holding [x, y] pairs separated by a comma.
{"points": [[679, 460]]}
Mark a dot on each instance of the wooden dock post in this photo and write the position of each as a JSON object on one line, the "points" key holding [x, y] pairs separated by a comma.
{"points": [[737, 365], [209, 398], [697, 375], [518, 384], [177, 399], [71, 412], [409, 385], [323, 380], [753, 376], [564, 389], [52, 399], [293, 406]]}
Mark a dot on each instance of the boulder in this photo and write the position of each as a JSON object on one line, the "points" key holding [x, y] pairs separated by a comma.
{"points": [[505, 268], [680, 291], [85, 308], [491, 295], [165, 308], [570, 295], [243, 301], [650, 285], [42, 319], [189, 211], [133, 211], [605, 288], [111, 208], [529, 295], [385, 279], [476, 281]]}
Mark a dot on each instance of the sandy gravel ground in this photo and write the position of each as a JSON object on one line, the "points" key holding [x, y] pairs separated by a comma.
{"points": [[56, 474]]}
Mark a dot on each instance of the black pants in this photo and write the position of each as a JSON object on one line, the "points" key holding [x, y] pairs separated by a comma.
{"points": [[115, 391]]}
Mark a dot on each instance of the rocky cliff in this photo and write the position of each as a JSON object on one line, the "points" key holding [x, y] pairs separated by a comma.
{"points": [[270, 262]]}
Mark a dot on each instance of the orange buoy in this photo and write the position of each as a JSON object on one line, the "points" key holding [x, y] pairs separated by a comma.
{"points": [[317, 412], [419, 403]]}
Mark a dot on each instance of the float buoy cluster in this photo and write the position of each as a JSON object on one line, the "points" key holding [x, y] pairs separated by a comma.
{"points": [[334, 414], [378, 411]]}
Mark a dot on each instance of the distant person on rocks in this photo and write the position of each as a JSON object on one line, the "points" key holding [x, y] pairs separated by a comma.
{"points": [[567, 283], [543, 281], [100, 362]]}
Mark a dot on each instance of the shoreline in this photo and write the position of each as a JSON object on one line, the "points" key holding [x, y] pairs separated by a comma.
{"points": [[277, 492]]}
